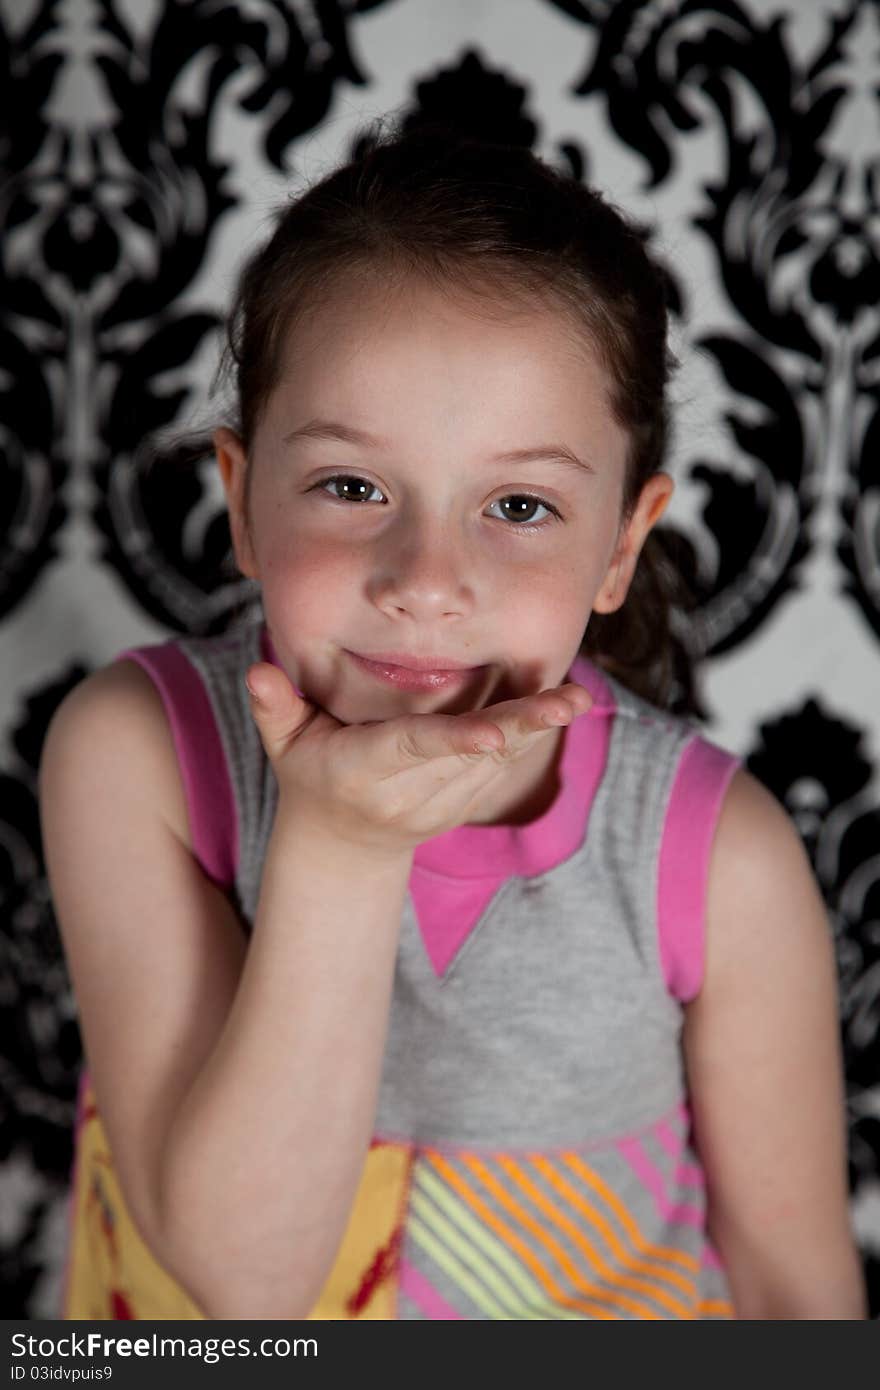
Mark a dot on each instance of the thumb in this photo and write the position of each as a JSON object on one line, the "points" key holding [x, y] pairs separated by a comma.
{"points": [[279, 710]]}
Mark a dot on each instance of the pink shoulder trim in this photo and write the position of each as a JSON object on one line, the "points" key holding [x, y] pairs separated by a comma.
{"points": [[209, 795], [703, 776]]}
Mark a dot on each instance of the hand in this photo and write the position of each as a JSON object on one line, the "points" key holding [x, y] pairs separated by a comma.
{"points": [[391, 784]]}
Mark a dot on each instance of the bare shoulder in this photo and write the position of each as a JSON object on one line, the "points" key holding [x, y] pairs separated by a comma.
{"points": [[749, 811], [116, 719], [768, 939], [760, 876]]}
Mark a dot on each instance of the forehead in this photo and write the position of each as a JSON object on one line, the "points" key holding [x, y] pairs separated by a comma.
{"points": [[367, 339]]}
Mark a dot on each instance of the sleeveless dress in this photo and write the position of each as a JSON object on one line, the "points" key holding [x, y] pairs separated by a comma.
{"points": [[532, 1154]]}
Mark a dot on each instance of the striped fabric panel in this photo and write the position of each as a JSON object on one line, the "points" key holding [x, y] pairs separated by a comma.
{"points": [[672, 1143], [663, 1182], [471, 1254], [537, 1237]]}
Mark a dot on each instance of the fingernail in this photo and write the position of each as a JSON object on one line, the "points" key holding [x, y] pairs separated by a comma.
{"points": [[253, 692]]}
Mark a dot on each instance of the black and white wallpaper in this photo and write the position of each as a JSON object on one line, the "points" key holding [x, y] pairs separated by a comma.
{"points": [[144, 144]]}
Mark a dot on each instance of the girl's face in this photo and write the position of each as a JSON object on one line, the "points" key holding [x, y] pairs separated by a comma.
{"points": [[432, 479]]}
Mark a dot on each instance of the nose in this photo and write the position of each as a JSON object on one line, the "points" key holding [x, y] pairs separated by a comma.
{"points": [[420, 570]]}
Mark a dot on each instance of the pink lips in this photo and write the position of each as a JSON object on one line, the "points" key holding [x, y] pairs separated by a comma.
{"points": [[416, 675]]}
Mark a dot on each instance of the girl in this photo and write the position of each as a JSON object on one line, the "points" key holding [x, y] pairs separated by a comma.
{"points": [[447, 974]]}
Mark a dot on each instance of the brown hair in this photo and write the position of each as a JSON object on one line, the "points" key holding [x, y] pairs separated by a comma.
{"points": [[461, 211]]}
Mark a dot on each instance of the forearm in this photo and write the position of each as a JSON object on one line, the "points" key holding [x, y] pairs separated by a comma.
{"points": [[264, 1157], [834, 1291]]}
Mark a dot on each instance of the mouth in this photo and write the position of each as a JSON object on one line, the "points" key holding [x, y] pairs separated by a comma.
{"points": [[417, 675]]}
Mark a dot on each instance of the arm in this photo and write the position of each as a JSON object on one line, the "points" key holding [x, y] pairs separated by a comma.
{"points": [[762, 1053], [236, 1083], [275, 1128]]}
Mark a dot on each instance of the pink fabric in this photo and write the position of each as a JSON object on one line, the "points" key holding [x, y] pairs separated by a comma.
{"points": [[703, 776], [209, 795], [653, 1180], [669, 1139], [414, 1284], [455, 875]]}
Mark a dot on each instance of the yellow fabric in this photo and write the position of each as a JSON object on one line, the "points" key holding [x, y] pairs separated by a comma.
{"points": [[112, 1274], [363, 1281]]}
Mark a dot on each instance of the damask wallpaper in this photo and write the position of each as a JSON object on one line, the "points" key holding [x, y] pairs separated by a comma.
{"points": [[145, 143]]}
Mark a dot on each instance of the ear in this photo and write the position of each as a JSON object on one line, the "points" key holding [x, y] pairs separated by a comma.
{"points": [[233, 464], [651, 505]]}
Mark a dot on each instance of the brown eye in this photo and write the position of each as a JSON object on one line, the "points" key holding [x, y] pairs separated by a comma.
{"points": [[520, 507], [356, 489]]}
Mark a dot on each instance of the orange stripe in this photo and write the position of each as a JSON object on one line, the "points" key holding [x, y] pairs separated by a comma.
{"points": [[578, 1238], [662, 1252], [552, 1245], [716, 1308], [680, 1281], [510, 1238], [565, 1190]]}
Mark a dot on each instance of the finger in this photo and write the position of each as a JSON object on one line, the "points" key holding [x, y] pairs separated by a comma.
{"points": [[548, 709], [497, 729], [421, 737], [278, 710], [426, 736], [577, 696]]}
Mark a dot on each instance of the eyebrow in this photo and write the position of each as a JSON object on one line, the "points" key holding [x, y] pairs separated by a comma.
{"points": [[347, 434]]}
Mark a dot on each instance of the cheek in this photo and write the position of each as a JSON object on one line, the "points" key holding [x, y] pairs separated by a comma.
{"points": [[560, 585], [294, 558], [543, 616], [317, 584]]}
